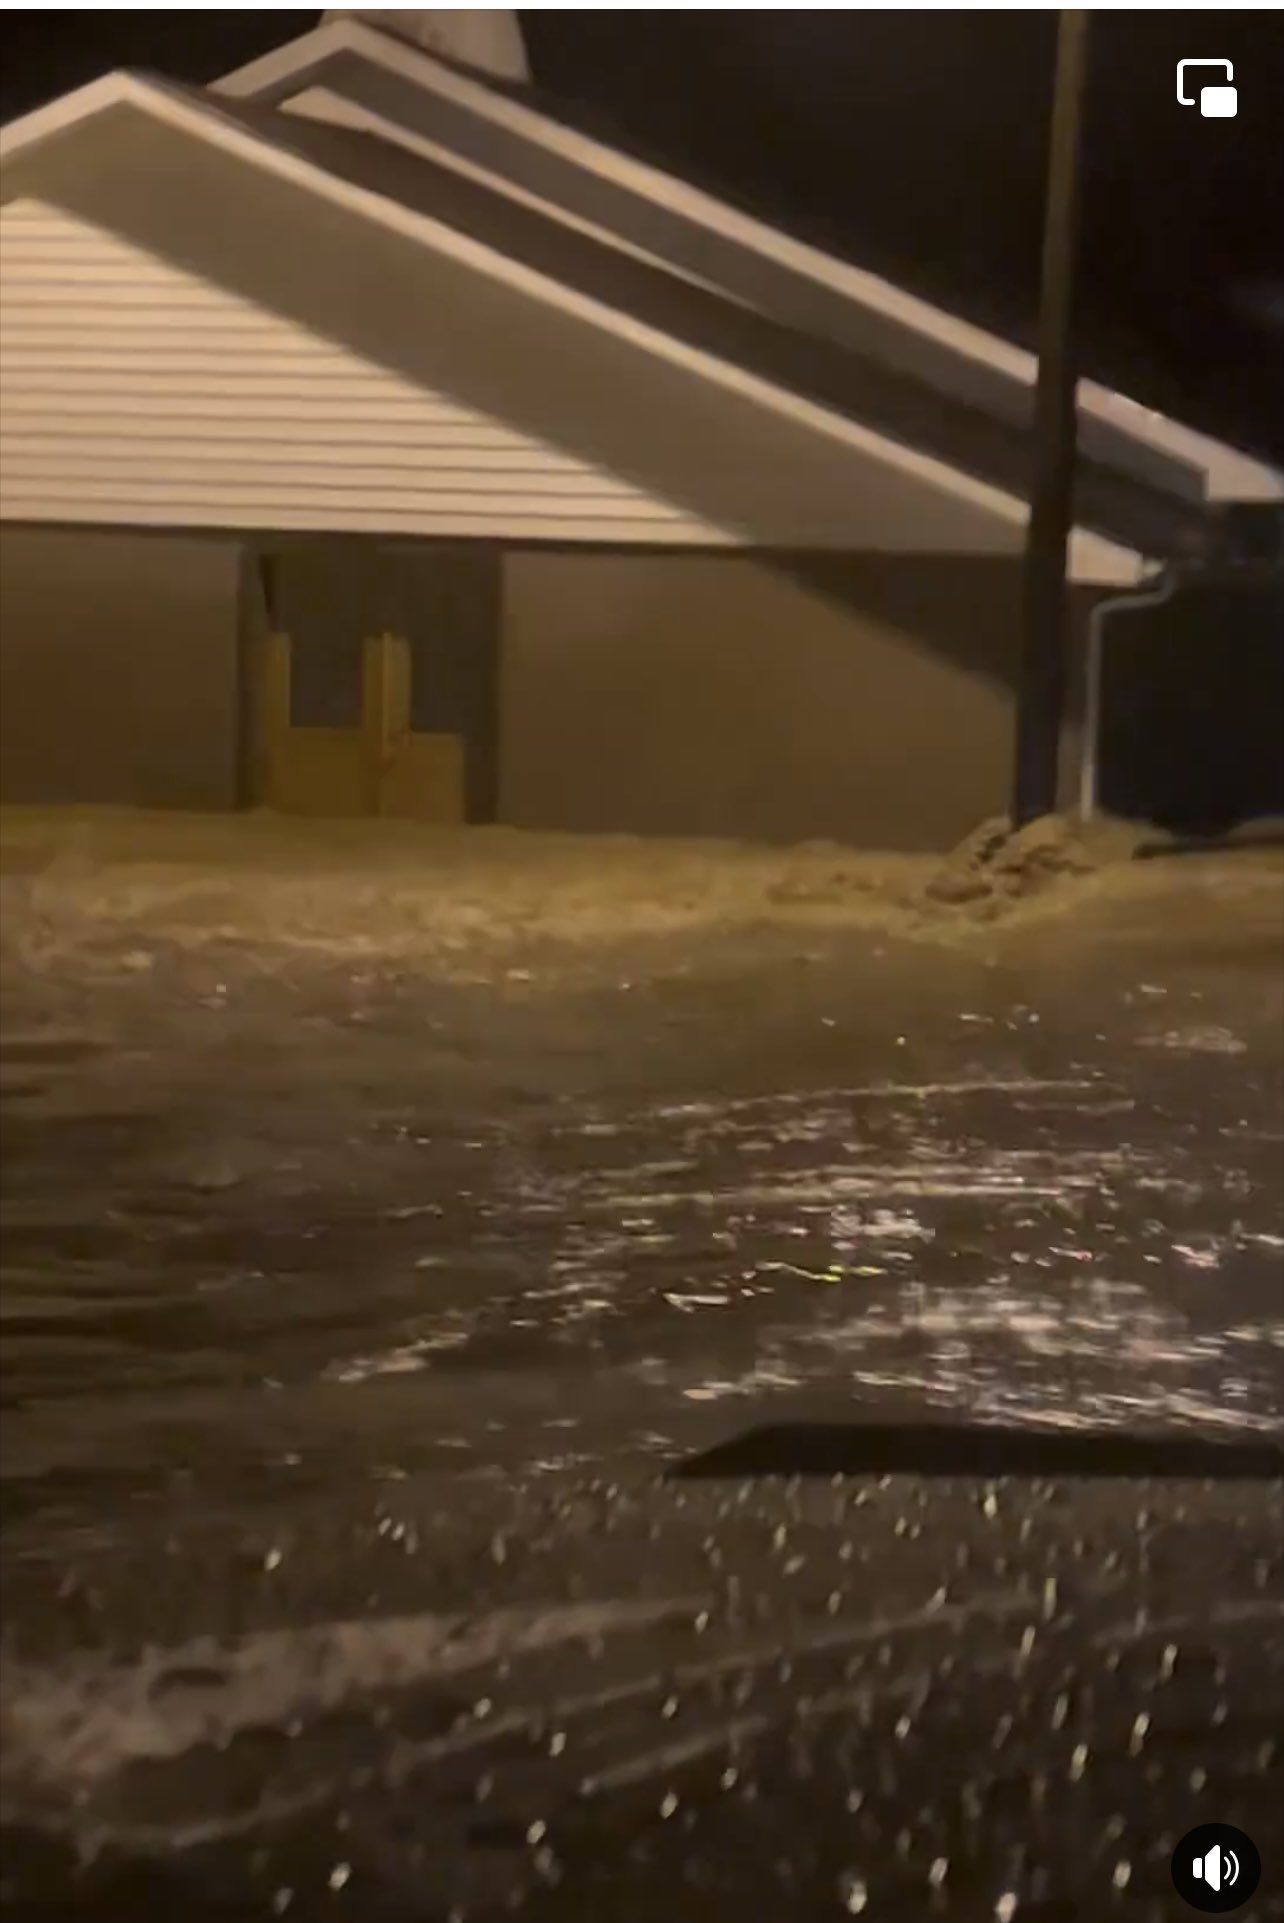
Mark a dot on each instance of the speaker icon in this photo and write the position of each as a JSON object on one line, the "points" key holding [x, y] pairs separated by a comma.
{"points": [[1216, 1866]]}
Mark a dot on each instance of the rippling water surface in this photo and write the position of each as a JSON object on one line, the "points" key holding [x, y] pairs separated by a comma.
{"points": [[339, 1559]]}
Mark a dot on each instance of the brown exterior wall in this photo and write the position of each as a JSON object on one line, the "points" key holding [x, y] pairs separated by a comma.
{"points": [[865, 700], [118, 669]]}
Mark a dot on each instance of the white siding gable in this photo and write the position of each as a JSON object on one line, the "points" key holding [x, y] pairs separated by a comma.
{"points": [[132, 392]]}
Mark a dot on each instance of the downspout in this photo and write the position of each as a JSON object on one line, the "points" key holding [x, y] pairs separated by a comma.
{"points": [[1163, 590]]}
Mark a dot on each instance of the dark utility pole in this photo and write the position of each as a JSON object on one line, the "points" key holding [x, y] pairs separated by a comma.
{"points": [[1041, 696]]}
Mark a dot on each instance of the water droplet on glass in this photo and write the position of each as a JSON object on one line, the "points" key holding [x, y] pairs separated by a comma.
{"points": [[546, 1863], [855, 1895]]}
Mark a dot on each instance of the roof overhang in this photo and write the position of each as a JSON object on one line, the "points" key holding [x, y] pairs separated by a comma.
{"points": [[911, 333], [688, 420]]}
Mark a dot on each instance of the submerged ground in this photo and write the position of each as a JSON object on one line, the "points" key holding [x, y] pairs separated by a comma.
{"points": [[601, 1381]]}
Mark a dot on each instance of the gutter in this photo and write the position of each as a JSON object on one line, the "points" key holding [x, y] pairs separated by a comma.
{"points": [[1161, 590], [1242, 542]]}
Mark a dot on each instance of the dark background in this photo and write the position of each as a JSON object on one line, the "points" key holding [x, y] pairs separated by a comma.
{"points": [[913, 143]]}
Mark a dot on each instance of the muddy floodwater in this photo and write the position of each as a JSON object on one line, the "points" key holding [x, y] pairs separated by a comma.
{"points": [[779, 1423]]}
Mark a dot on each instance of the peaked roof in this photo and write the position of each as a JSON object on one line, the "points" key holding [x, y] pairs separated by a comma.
{"points": [[709, 362], [519, 143]]}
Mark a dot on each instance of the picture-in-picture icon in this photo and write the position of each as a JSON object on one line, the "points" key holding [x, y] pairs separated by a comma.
{"points": [[1215, 103]]}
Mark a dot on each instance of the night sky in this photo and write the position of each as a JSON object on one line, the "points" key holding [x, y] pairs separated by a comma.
{"points": [[913, 143]]}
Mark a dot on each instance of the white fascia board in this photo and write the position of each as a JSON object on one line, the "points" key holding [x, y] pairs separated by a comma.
{"points": [[332, 109], [1229, 475], [1092, 557], [296, 57], [69, 110]]}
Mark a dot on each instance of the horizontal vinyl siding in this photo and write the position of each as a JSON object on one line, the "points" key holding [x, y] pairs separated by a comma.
{"points": [[134, 393]]}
